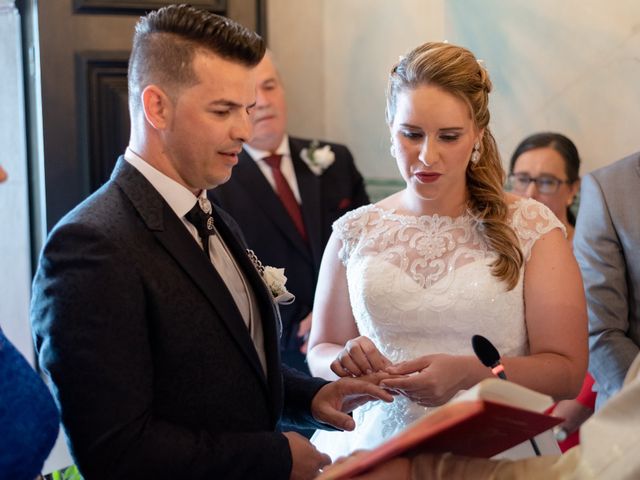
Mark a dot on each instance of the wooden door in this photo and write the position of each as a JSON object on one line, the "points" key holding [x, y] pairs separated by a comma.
{"points": [[84, 48]]}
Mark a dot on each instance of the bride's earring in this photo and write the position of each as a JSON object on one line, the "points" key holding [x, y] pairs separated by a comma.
{"points": [[475, 156], [392, 149]]}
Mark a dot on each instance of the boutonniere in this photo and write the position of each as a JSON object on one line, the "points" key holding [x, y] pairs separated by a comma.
{"points": [[275, 280], [318, 159]]}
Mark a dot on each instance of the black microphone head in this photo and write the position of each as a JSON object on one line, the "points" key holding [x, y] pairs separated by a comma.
{"points": [[485, 351]]}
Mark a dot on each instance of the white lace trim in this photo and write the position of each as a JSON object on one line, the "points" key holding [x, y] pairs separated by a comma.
{"points": [[423, 285], [430, 246]]}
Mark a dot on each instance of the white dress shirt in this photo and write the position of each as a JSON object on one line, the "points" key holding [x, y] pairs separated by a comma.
{"points": [[181, 200], [286, 165]]}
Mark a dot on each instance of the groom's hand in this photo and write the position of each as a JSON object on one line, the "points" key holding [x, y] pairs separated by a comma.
{"points": [[335, 400], [307, 461]]}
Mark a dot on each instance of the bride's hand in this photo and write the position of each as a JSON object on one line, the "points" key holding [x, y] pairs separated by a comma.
{"points": [[359, 357], [430, 380]]}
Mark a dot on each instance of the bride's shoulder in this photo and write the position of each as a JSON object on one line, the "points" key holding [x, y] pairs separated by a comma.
{"points": [[353, 218], [360, 221], [530, 218], [527, 208]]}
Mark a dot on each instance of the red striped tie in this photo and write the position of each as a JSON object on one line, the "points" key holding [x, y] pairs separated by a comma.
{"points": [[286, 195]]}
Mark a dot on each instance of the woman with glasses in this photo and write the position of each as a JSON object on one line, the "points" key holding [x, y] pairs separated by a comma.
{"points": [[545, 167]]}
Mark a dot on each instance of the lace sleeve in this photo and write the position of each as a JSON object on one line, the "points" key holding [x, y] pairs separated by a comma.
{"points": [[531, 220], [349, 229]]}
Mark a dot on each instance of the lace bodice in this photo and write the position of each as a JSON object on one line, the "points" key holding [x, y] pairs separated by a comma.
{"points": [[423, 285]]}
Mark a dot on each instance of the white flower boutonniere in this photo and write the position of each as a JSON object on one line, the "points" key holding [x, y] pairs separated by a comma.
{"points": [[318, 159], [275, 280]]}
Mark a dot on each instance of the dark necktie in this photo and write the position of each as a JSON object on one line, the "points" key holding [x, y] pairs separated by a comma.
{"points": [[201, 218], [287, 197]]}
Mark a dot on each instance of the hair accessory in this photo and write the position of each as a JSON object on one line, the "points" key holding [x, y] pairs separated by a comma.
{"points": [[475, 156]]}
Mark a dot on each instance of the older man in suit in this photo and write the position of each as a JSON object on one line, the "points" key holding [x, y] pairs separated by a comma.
{"points": [[158, 331], [607, 247], [285, 194]]}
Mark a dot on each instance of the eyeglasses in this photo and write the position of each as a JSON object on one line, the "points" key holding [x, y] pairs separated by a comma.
{"points": [[547, 184]]}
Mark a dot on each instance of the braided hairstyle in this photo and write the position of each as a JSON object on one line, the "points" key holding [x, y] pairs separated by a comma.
{"points": [[456, 70]]}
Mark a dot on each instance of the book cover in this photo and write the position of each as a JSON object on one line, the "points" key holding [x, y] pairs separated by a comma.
{"points": [[489, 418]]}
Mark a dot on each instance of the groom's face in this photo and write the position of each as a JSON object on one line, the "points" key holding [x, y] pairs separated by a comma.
{"points": [[208, 122]]}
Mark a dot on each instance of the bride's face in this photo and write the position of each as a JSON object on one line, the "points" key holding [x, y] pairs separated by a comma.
{"points": [[433, 135]]}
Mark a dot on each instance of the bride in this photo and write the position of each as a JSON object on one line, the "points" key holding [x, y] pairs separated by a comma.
{"points": [[406, 283]]}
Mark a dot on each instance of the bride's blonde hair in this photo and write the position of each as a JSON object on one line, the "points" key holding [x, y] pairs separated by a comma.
{"points": [[455, 70]]}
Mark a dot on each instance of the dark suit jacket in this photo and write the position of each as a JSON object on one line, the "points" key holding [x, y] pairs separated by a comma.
{"points": [[270, 232], [152, 365]]}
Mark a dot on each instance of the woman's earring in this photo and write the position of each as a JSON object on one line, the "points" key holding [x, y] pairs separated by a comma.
{"points": [[475, 156], [392, 149]]}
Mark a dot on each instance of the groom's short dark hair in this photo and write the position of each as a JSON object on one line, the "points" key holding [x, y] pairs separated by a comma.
{"points": [[166, 40]]}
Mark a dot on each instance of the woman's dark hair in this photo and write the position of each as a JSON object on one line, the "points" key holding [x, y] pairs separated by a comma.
{"points": [[561, 144]]}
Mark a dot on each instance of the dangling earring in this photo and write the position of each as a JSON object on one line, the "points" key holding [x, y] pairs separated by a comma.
{"points": [[392, 149], [475, 156]]}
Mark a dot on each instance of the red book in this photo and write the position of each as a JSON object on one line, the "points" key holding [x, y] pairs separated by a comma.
{"points": [[489, 418]]}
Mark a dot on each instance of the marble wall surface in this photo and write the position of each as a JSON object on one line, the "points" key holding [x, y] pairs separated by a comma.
{"points": [[15, 264], [570, 66]]}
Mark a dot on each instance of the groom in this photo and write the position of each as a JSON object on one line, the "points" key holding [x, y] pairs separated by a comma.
{"points": [[157, 330]]}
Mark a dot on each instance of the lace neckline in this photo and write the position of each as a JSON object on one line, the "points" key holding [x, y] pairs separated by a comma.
{"points": [[392, 214]]}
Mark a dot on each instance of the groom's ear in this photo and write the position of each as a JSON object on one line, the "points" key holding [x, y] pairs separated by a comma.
{"points": [[157, 107]]}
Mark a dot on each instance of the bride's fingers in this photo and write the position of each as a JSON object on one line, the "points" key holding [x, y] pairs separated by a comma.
{"points": [[365, 353], [339, 370], [347, 362], [376, 360], [359, 356], [410, 366], [408, 385]]}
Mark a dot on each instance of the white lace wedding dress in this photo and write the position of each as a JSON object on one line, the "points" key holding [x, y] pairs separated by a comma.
{"points": [[423, 285]]}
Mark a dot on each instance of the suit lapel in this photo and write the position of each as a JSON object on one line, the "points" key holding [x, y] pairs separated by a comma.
{"points": [[271, 325], [309, 185], [172, 234], [249, 176]]}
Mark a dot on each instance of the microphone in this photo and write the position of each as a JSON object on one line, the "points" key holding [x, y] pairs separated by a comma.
{"points": [[490, 357]]}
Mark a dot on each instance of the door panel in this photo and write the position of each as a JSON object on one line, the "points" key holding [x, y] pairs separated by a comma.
{"points": [[84, 49]]}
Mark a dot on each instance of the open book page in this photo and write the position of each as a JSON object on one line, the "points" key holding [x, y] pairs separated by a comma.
{"points": [[487, 419], [507, 393]]}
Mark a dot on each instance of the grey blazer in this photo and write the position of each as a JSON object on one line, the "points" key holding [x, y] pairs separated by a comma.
{"points": [[607, 247]]}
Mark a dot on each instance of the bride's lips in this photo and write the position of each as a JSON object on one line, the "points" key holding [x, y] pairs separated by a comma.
{"points": [[427, 177]]}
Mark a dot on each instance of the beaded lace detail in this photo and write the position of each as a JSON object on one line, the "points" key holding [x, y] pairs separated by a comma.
{"points": [[423, 285]]}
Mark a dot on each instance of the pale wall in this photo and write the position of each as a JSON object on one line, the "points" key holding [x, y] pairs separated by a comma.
{"points": [[15, 265], [570, 66]]}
